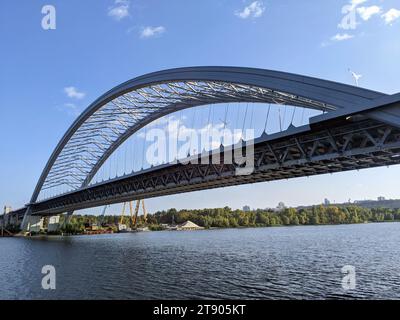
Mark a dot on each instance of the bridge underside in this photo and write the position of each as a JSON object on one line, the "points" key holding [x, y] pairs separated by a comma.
{"points": [[340, 144]]}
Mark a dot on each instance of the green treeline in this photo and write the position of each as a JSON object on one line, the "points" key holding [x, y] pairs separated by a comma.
{"points": [[79, 223], [228, 218]]}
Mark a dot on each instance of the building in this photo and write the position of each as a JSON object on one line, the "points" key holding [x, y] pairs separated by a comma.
{"points": [[54, 224], [7, 209], [281, 206], [122, 227], [381, 198], [327, 202], [189, 225], [36, 224], [246, 209]]}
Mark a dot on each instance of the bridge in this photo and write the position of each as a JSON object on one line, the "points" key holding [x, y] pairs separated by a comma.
{"points": [[348, 128]]}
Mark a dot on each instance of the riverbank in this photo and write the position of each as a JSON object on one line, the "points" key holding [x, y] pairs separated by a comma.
{"points": [[44, 235], [316, 215], [229, 218]]}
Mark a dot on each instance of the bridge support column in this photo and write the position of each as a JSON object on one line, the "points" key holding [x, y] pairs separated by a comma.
{"points": [[54, 224], [31, 223], [25, 224], [35, 224], [67, 219]]}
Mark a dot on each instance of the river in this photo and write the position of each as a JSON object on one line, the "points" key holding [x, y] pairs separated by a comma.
{"points": [[302, 262]]}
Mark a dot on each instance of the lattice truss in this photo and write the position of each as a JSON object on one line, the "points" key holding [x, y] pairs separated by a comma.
{"points": [[100, 135], [336, 148]]}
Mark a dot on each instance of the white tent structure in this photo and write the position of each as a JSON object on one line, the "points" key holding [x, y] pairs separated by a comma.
{"points": [[189, 225]]}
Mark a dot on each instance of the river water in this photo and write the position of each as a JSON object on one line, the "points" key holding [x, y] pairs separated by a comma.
{"points": [[264, 263]]}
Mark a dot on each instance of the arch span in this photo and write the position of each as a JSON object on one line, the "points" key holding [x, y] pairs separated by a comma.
{"points": [[122, 111]]}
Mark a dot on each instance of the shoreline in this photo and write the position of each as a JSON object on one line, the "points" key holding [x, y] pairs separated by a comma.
{"points": [[205, 229]]}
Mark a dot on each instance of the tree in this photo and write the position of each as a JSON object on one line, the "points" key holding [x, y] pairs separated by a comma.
{"points": [[285, 220], [295, 221]]}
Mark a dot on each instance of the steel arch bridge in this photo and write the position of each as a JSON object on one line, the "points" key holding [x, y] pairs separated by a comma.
{"points": [[359, 128]]}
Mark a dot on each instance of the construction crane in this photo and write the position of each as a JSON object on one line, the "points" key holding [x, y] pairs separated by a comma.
{"points": [[144, 212], [133, 218], [121, 221], [101, 217], [137, 211], [133, 213]]}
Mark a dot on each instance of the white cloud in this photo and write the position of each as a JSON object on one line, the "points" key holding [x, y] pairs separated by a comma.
{"points": [[71, 109], [342, 37], [254, 10], [119, 10], [391, 15], [149, 32], [72, 92], [367, 12], [355, 3]]}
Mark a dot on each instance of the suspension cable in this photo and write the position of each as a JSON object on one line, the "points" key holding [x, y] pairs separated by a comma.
{"points": [[144, 142], [225, 119], [252, 115], [192, 130], [302, 116], [284, 116], [212, 125], [133, 154], [116, 165], [178, 131], [226, 114], [294, 111], [126, 155], [266, 120], [244, 120], [208, 126], [237, 116], [109, 171]]}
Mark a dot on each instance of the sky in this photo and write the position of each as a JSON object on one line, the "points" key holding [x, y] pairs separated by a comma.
{"points": [[48, 77]]}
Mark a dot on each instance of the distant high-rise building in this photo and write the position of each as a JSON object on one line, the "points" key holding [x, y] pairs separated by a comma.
{"points": [[246, 209], [7, 209], [281, 206], [326, 202], [381, 199]]}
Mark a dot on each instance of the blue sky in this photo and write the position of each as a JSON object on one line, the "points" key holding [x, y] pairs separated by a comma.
{"points": [[49, 76]]}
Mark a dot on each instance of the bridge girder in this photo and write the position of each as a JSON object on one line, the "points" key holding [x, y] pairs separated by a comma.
{"points": [[335, 147]]}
